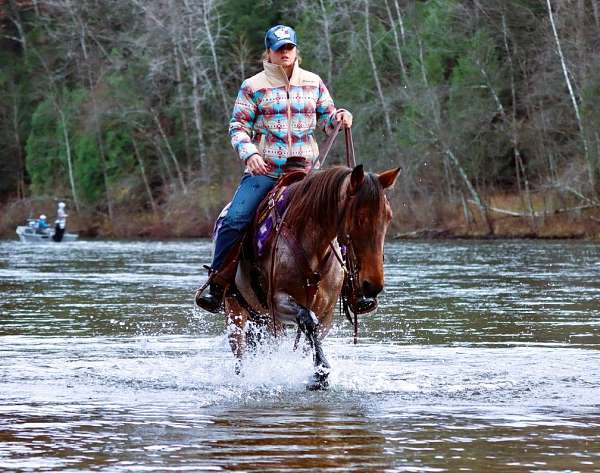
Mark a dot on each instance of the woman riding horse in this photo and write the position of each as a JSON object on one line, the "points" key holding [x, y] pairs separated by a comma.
{"points": [[272, 129], [307, 262]]}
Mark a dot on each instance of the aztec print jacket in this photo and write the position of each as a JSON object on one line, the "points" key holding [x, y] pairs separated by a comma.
{"points": [[276, 117]]}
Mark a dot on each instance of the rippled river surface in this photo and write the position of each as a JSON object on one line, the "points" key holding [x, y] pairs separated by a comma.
{"points": [[483, 356]]}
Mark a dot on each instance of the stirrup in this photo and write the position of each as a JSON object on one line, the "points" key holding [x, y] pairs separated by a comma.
{"points": [[205, 285], [210, 297], [211, 294]]}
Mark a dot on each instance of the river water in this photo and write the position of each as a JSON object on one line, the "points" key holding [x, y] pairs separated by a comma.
{"points": [[483, 356]]}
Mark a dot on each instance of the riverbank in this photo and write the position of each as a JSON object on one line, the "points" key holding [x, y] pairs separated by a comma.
{"points": [[193, 215], [504, 215]]}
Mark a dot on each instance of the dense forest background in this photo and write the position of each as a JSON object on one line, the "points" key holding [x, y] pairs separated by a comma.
{"points": [[121, 107]]}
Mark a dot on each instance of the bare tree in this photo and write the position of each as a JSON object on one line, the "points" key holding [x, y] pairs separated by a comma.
{"points": [[326, 25], [393, 24], [596, 10], [183, 26], [140, 161], [80, 26], [574, 102], [375, 72], [15, 108], [519, 166], [210, 17], [170, 151], [54, 94]]}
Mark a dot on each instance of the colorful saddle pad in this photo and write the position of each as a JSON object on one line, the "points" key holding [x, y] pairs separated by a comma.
{"points": [[270, 211], [270, 217]]}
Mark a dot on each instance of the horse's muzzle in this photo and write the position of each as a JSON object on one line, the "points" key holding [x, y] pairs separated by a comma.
{"points": [[371, 290], [363, 305]]}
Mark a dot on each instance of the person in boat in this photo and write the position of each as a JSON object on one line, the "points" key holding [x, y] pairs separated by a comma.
{"points": [[272, 127], [60, 224], [41, 226]]}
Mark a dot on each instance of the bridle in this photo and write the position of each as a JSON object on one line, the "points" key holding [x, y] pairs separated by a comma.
{"points": [[348, 259]]}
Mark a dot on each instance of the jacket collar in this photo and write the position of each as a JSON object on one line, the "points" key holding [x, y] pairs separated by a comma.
{"points": [[277, 76]]}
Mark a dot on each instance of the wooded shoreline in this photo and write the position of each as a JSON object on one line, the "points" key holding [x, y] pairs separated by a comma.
{"points": [[419, 222], [121, 109]]}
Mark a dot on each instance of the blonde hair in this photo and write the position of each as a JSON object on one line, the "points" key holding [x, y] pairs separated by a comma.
{"points": [[265, 56]]}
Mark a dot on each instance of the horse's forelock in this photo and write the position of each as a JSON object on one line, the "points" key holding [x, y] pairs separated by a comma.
{"points": [[370, 194]]}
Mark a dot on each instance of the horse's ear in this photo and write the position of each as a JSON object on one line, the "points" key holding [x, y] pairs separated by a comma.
{"points": [[356, 179], [388, 178]]}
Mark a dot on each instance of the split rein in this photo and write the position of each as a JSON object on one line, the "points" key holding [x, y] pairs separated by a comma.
{"points": [[347, 259]]}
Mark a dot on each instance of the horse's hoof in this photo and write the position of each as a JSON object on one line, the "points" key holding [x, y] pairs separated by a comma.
{"points": [[317, 382], [238, 367]]}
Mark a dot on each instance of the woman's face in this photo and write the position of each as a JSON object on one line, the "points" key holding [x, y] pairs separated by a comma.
{"points": [[285, 56]]}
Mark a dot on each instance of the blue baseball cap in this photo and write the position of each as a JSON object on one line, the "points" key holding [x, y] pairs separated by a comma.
{"points": [[278, 36]]}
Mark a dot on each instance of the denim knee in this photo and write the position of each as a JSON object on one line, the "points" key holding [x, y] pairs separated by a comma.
{"points": [[251, 191], [237, 220]]}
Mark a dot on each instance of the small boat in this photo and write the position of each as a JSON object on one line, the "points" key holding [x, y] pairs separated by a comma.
{"points": [[29, 234]]}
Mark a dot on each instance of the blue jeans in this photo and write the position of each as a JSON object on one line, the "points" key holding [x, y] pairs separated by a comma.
{"points": [[249, 194]]}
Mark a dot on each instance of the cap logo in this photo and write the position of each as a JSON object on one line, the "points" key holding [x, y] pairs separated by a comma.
{"points": [[282, 33]]}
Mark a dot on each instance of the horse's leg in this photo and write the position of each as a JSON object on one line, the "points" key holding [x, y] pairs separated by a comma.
{"points": [[289, 309], [309, 324], [237, 318]]}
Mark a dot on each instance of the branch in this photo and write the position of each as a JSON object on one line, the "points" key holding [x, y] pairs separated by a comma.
{"points": [[512, 213]]}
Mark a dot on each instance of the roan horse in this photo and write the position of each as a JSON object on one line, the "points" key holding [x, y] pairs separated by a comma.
{"points": [[301, 268]]}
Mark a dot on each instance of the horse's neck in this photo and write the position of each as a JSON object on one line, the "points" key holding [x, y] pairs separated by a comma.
{"points": [[316, 236]]}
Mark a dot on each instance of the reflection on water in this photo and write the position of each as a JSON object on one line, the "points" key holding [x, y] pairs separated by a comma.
{"points": [[482, 356]]}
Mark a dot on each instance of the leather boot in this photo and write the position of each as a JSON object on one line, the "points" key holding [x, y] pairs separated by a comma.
{"points": [[210, 297]]}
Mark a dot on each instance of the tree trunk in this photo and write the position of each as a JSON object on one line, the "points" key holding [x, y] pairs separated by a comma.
{"points": [[384, 107], [15, 17], [86, 71], [184, 120], [63, 123], [474, 194], [327, 38], [397, 42], [596, 11], [169, 177], [400, 23], [520, 167], [198, 122], [170, 150], [590, 165], [243, 53], [18, 148], [208, 7], [96, 118], [143, 171]]}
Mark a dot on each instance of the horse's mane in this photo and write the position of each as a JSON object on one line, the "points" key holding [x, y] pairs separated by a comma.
{"points": [[316, 197]]}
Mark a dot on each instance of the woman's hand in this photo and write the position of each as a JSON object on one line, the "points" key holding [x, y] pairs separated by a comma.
{"points": [[345, 117], [256, 165]]}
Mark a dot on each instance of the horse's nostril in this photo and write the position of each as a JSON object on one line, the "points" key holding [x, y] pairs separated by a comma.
{"points": [[370, 289]]}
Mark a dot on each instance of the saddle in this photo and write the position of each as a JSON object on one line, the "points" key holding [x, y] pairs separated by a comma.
{"points": [[256, 241], [270, 211]]}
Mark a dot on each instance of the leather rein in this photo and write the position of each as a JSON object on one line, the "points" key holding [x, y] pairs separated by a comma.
{"points": [[347, 259]]}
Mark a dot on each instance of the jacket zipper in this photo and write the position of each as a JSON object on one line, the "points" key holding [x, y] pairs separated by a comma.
{"points": [[289, 116]]}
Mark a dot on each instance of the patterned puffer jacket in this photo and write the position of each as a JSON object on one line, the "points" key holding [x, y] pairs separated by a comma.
{"points": [[276, 117]]}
